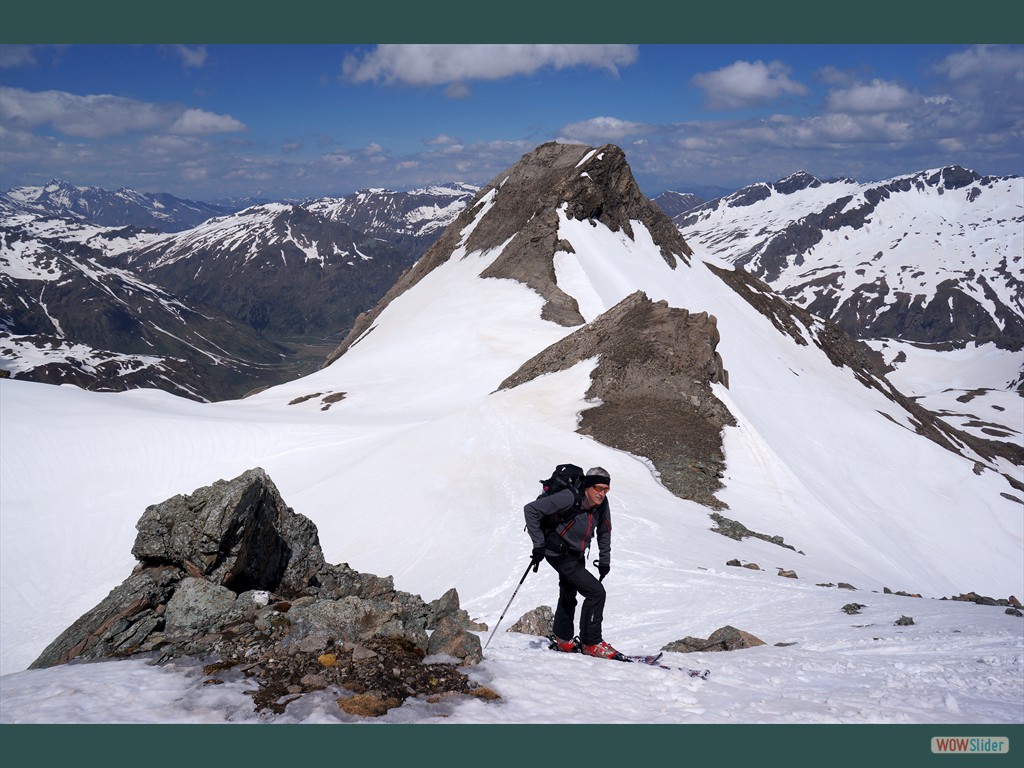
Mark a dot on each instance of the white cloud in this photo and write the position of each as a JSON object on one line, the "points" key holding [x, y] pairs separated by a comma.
{"points": [[103, 116], [985, 61], [602, 129], [92, 117], [436, 64], [876, 96], [200, 122], [745, 83], [338, 159]]}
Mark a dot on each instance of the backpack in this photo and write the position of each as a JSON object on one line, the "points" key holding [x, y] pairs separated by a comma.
{"points": [[565, 476]]}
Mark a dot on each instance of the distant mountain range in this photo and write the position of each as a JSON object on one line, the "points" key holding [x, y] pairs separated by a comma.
{"points": [[124, 208], [931, 258], [281, 281]]}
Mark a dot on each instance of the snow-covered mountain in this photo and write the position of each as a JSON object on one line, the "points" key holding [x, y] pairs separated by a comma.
{"points": [[556, 320], [675, 203], [124, 208], [70, 315], [411, 220], [934, 257], [283, 269]]}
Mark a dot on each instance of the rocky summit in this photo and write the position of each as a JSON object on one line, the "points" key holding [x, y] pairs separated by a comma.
{"points": [[231, 576]]}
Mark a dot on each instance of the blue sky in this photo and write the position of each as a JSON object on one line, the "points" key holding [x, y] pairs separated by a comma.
{"points": [[209, 121]]}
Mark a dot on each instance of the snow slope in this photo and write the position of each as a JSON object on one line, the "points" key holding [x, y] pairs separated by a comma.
{"points": [[421, 469]]}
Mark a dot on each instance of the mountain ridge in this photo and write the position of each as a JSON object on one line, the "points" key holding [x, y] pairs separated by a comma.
{"points": [[817, 243]]}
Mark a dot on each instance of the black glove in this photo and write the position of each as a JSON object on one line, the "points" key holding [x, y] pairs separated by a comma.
{"points": [[536, 556], [603, 571]]}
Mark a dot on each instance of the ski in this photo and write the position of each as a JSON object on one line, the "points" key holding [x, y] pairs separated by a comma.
{"points": [[655, 661], [650, 661]]}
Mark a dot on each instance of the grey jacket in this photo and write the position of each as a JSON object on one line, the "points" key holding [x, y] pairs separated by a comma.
{"points": [[577, 527]]}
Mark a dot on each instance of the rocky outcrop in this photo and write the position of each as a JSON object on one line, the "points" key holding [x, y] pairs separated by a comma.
{"points": [[653, 382], [726, 638], [734, 529], [230, 574]]}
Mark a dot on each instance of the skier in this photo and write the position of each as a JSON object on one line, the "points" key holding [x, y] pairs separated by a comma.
{"points": [[561, 527]]}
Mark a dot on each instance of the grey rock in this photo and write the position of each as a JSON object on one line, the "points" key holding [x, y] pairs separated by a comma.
{"points": [[197, 605], [726, 638], [451, 639], [448, 605], [540, 621], [106, 629], [230, 533]]}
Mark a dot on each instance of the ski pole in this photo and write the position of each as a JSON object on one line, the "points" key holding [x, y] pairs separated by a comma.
{"points": [[531, 565]]}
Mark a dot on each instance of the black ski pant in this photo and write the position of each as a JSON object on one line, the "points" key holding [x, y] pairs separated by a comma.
{"points": [[574, 579]]}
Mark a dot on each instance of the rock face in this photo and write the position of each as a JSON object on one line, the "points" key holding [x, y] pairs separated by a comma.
{"points": [[231, 574], [653, 381]]}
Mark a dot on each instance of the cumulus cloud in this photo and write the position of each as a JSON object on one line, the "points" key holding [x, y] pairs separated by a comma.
{"points": [[103, 116], [92, 117], [984, 61], [338, 159], [199, 122], [602, 130], [425, 64], [876, 96], [746, 83]]}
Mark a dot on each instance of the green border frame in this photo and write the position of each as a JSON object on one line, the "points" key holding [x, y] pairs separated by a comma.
{"points": [[405, 21], [535, 21]]}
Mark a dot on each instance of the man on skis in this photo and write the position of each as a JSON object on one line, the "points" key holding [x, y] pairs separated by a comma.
{"points": [[561, 527]]}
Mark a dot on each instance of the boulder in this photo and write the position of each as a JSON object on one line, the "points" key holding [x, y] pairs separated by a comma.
{"points": [[726, 638], [540, 621]]}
